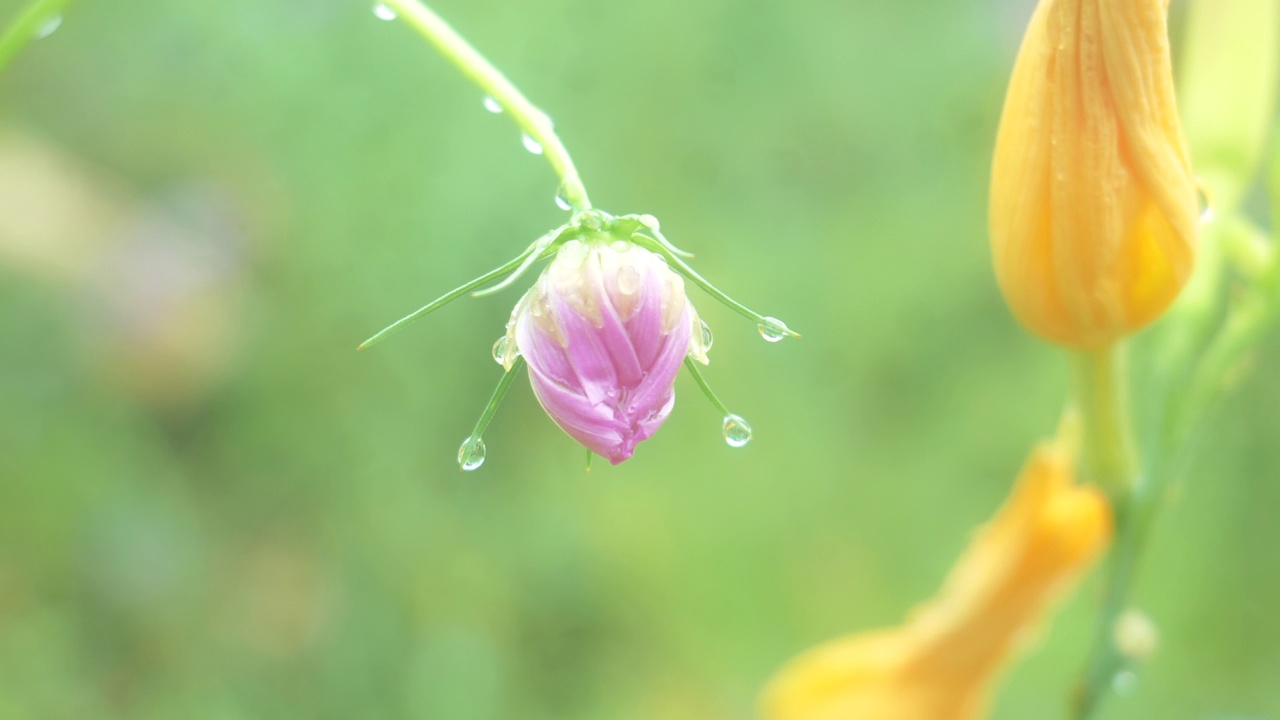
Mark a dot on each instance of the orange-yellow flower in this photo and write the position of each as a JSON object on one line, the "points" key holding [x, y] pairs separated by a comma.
{"points": [[941, 663], [1093, 203]]}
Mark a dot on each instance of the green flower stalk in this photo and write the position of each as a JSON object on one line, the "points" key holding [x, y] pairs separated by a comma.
{"points": [[607, 325], [36, 22]]}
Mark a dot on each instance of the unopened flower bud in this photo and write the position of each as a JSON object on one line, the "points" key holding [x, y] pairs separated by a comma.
{"points": [[604, 330], [1093, 203]]}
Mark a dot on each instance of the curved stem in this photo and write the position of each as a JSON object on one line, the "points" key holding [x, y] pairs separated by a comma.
{"points": [[27, 26], [683, 268], [480, 71], [706, 388]]}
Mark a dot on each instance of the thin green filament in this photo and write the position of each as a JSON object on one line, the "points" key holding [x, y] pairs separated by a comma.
{"points": [[499, 392], [706, 389], [715, 292], [446, 299], [488, 78]]}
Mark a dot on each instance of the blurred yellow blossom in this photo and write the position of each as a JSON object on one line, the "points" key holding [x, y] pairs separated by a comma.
{"points": [[940, 665], [1093, 202]]}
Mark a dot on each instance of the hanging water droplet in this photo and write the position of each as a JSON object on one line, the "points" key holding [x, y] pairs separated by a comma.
{"points": [[1125, 683], [500, 350], [1206, 208], [471, 454], [736, 430], [530, 144], [492, 105], [48, 26], [707, 337], [773, 329], [649, 221], [561, 202]]}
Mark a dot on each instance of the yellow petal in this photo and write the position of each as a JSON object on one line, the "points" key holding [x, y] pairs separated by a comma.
{"points": [[942, 662], [1093, 203]]}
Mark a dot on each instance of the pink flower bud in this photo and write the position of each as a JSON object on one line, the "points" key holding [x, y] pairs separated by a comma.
{"points": [[605, 330]]}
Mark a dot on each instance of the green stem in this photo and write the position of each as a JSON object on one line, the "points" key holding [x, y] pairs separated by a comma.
{"points": [[1110, 461], [1102, 393], [706, 388], [480, 71], [1133, 518], [25, 27], [1137, 502], [499, 392]]}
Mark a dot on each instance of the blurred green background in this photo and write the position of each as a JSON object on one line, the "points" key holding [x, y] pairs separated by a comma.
{"points": [[211, 506]]}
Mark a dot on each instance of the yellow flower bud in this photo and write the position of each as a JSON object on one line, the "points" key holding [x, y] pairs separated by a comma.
{"points": [[1093, 203], [943, 661]]}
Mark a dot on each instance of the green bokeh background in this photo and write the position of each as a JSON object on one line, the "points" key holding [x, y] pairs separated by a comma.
{"points": [[282, 531]]}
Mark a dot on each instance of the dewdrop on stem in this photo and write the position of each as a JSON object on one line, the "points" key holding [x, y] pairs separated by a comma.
{"points": [[530, 144], [48, 27], [773, 330], [737, 433], [471, 454]]}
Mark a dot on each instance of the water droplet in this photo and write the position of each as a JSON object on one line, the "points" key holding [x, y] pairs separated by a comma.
{"points": [[773, 329], [736, 430], [628, 279], [1206, 208], [530, 144], [492, 105], [48, 26], [707, 337], [649, 221], [471, 454], [1135, 635], [561, 202], [500, 350], [1125, 683]]}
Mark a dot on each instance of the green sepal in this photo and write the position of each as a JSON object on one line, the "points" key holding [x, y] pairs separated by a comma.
{"points": [[499, 392], [683, 268], [704, 386]]}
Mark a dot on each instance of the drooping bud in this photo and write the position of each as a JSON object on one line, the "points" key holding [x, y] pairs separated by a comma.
{"points": [[604, 330], [1093, 203]]}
